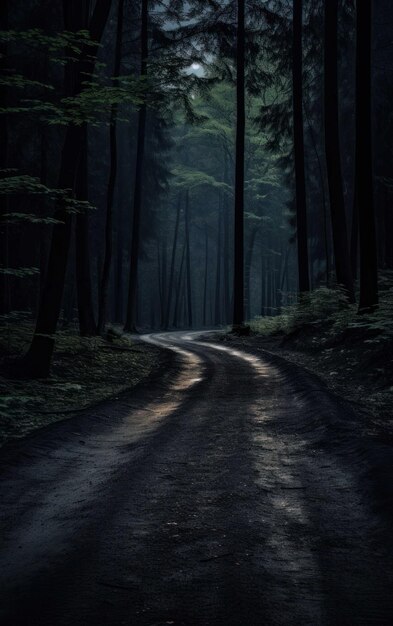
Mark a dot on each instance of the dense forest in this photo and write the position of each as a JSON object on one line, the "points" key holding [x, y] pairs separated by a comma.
{"points": [[196, 312], [190, 164]]}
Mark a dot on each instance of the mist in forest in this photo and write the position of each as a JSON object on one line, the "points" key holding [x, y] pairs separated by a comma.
{"points": [[190, 164]]}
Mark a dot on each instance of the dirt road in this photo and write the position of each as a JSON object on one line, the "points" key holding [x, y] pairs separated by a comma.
{"points": [[229, 491]]}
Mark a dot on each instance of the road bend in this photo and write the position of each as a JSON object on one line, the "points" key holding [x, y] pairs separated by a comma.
{"points": [[230, 490]]}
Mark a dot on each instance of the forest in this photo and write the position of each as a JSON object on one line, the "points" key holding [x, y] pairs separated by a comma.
{"points": [[196, 231]]}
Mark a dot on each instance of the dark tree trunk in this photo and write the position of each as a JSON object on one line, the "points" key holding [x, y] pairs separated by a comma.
{"points": [[217, 303], [173, 263], [298, 136], [238, 283], [188, 258], [285, 271], [87, 325], [248, 262], [388, 252], [178, 289], [119, 287], [279, 270], [204, 313], [368, 299], [355, 238], [263, 282], [130, 324], [159, 282], [333, 154], [164, 282], [226, 301], [324, 202], [5, 304], [106, 272], [269, 288], [38, 359]]}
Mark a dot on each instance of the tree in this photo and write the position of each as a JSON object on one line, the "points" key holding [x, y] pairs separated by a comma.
{"points": [[4, 285], [104, 287], [130, 325], [38, 359], [333, 153], [364, 194], [298, 134], [238, 282]]}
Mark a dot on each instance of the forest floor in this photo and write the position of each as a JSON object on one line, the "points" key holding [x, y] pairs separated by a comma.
{"points": [[85, 372], [230, 489], [355, 368]]}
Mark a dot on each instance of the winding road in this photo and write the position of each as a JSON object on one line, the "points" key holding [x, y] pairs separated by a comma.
{"points": [[229, 490]]}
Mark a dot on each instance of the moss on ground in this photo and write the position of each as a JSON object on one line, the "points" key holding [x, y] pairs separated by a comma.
{"points": [[85, 371]]}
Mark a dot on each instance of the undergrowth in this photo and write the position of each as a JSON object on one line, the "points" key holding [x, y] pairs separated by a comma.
{"points": [[85, 371], [324, 317], [353, 353]]}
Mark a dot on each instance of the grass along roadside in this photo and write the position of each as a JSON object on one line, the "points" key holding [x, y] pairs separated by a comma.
{"points": [[85, 371]]}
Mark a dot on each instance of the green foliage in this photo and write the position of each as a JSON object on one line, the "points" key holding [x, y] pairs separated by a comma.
{"points": [[327, 312], [92, 105], [187, 178], [37, 39], [20, 272], [13, 218], [97, 95], [316, 308], [13, 184]]}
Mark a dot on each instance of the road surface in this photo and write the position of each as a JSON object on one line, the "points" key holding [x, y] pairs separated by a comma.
{"points": [[228, 491]]}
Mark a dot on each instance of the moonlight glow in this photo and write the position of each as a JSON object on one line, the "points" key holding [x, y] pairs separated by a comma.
{"points": [[195, 66]]}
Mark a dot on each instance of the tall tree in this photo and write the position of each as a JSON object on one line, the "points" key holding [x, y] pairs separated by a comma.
{"points": [[333, 152], [238, 283], [87, 324], [39, 356], [104, 286], [188, 257], [171, 285], [4, 282], [364, 164], [130, 324], [298, 131]]}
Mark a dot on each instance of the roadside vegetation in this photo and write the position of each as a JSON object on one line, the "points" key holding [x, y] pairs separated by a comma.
{"points": [[353, 353], [86, 370]]}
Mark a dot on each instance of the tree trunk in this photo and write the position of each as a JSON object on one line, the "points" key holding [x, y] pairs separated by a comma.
{"points": [[323, 198], [173, 263], [5, 304], [298, 136], [87, 325], [269, 288], [164, 283], [248, 262], [104, 289], [130, 324], [217, 303], [39, 357], [225, 208], [263, 282], [204, 313], [368, 299], [178, 289], [238, 282], [355, 236], [388, 256], [333, 155], [188, 258]]}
